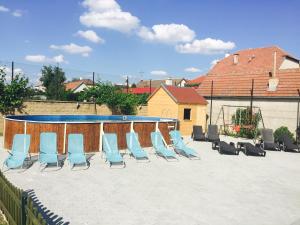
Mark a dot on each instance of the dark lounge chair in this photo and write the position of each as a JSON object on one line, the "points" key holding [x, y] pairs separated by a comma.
{"points": [[250, 149], [286, 144], [198, 134], [225, 148], [267, 141], [212, 133]]}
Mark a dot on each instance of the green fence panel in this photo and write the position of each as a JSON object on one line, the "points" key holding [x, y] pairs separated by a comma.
{"points": [[17, 206]]}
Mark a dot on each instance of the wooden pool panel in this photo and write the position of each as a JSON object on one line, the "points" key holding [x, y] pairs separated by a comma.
{"points": [[90, 131]]}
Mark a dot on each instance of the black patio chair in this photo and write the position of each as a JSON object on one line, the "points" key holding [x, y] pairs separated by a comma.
{"points": [[250, 149], [286, 144], [198, 134], [212, 133], [225, 148], [267, 141]]}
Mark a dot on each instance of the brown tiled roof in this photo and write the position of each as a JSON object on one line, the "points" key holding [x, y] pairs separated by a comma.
{"points": [[183, 95], [240, 84], [197, 80], [256, 60], [75, 84], [157, 83], [236, 79]]}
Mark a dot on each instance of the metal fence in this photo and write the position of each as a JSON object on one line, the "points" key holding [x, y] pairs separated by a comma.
{"points": [[17, 206]]}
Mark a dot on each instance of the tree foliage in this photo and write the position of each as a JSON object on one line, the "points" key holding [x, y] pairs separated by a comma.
{"points": [[53, 79], [114, 98], [12, 94]]}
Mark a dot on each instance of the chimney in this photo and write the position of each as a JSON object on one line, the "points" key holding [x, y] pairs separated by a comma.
{"points": [[235, 59], [274, 64], [273, 81], [169, 81]]}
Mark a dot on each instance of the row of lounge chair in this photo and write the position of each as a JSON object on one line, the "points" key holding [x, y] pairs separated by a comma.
{"points": [[267, 142], [48, 153]]}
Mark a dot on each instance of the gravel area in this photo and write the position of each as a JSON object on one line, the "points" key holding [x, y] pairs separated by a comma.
{"points": [[218, 189]]}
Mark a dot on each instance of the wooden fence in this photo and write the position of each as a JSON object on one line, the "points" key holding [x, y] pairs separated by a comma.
{"points": [[17, 206]]}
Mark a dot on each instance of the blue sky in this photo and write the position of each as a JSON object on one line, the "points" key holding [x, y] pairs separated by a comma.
{"points": [[159, 38]]}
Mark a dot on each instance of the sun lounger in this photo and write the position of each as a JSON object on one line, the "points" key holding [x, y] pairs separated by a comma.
{"points": [[225, 148], [267, 141], [212, 133], [110, 147], [160, 148], [134, 146], [250, 149], [19, 152], [198, 134], [48, 149], [76, 154], [180, 147], [287, 144]]}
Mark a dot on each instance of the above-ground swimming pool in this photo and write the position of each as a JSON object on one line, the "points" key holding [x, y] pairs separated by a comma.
{"points": [[91, 126]]}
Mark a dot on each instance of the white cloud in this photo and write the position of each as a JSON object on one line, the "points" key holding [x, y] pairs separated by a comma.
{"points": [[167, 33], [17, 13], [59, 59], [108, 14], [159, 73], [101, 5], [45, 59], [192, 70], [90, 36], [206, 46], [73, 49], [4, 9]]}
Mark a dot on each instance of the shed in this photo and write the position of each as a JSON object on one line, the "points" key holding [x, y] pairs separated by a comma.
{"points": [[182, 103]]}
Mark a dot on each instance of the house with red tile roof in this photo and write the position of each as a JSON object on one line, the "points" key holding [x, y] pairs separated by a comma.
{"points": [[196, 82], [140, 90], [78, 85], [182, 103], [276, 76]]}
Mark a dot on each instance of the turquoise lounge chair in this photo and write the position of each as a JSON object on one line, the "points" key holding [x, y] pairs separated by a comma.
{"points": [[48, 149], [160, 148], [110, 147], [76, 150], [134, 146], [19, 152], [180, 147]]}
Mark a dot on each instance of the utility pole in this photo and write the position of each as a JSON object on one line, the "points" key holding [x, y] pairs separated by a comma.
{"points": [[12, 70], [94, 99], [127, 84], [211, 95], [251, 101], [150, 86]]}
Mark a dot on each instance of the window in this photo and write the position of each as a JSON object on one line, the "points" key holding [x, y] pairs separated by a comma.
{"points": [[187, 114]]}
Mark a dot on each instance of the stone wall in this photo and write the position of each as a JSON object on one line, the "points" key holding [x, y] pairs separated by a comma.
{"points": [[67, 108]]}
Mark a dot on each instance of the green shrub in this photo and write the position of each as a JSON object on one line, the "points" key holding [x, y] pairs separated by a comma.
{"points": [[283, 130]]}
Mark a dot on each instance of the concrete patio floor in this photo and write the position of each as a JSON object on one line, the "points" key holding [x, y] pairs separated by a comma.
{"points": [[218, 189]]}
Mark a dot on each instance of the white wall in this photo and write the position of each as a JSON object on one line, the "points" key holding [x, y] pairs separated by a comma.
{"points": [[275, 113], [289, 64]]}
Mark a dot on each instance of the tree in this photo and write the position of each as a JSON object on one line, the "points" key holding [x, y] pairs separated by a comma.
{"points": [[53, 79], [12, 94], [113, 97]]}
